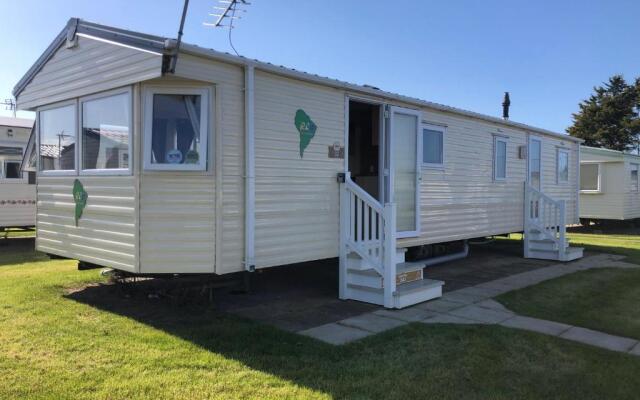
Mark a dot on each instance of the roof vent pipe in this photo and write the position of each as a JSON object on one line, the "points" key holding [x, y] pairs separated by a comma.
{"points": [[505, 106]]}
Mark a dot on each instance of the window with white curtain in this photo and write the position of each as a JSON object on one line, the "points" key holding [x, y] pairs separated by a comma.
{"points": [[499, 158], [176, 127]]}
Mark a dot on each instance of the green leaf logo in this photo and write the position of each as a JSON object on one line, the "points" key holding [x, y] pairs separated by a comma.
{"points": [[80, 197], [307, 129]]}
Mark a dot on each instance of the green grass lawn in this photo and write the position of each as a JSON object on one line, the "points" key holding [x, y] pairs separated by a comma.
{"points": [[603, 299], [17, 233], [63, 334]]}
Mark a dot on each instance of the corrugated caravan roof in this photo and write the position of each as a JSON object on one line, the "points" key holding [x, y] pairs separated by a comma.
{"points": [[166, 46]]}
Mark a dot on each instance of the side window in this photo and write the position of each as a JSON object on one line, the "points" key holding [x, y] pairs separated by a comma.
{"points": [[562, 166], [58, 138], [499, 158], [12, 170], [590, 177], [176, 129], [635, 184], [433, 146], [106, 128]]}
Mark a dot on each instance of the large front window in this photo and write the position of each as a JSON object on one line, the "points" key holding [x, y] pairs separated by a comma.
{"points": [[106, 125], [58, 138], [176, 129]]}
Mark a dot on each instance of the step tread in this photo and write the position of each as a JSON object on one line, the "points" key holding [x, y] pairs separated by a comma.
{"points": [[400, 269], [365, 288], [416, 286]]}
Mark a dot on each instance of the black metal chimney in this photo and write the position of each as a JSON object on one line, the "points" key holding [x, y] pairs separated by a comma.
{"points": [[505, 106]]}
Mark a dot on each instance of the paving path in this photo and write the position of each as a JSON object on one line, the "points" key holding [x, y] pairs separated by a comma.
{"points": [[474, 305]]}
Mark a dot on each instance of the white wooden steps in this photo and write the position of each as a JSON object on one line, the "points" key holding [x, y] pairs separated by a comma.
{"points": [[366, 284], [545, 228]]}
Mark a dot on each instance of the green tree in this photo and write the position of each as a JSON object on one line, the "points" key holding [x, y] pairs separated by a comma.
{"points": [[609, 117]]}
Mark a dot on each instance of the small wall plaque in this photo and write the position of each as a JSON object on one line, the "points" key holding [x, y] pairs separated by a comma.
{"points": [[336, 151]]}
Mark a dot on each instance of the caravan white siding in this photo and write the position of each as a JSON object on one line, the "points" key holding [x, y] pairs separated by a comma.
{"points": [[17, 204], [227, 177], [107, 232], [297, 200], [90, 67], [618, 198], [632, 198], [462, 201]]}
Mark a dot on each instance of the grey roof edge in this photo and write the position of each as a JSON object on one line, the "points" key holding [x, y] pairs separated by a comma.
{"points": [[305, 76], [622, 154], [157, 43], [76, 25]]}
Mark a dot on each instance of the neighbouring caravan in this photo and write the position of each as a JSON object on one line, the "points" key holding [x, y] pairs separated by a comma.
{"points": [[227, 164], [17, 188], [609, 186]]}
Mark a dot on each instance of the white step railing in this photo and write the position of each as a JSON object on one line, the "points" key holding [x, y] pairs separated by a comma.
{"points": [[546, 215], [368, 229]]}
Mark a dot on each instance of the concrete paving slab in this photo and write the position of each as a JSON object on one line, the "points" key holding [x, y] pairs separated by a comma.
{"points": [[599, 339], [372, 322], [335, 334], [480, 291], [636, 350], [448, 319], [412, 314], [536, 325], [492, 304], [462, 297], [480, 314], [439, 305]]}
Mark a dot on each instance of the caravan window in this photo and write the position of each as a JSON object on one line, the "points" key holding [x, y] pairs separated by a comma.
{"points": [[12, 169], [433, 146], [176, 127], [58, 138], [106, 128], [590, 177], [635, 184], [562, 166], [500, 159]]}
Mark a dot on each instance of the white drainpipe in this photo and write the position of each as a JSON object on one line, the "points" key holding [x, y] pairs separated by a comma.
{"points": [[250, 166]]}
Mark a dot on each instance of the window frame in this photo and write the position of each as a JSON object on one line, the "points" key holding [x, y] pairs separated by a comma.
{"points": [[80, 159], [637, 169], [505, 140], [592, 191], [443, 131], [205, 92], [52, 106], [558, 152], [3, 171]]}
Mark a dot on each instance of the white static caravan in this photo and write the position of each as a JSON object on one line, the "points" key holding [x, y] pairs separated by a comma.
{"points": [[235, 165], [17, 188], [609, 186]]}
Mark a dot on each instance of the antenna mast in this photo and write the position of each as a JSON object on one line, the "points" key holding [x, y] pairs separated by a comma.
{"points": [[227, 11], [9, 104]]}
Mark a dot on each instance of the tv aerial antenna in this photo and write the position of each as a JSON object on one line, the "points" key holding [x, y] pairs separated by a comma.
{"points": [[9, 104], [226, 11]]}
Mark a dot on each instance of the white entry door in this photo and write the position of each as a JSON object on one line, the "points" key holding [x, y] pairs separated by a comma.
{"points": [[404, 165]]}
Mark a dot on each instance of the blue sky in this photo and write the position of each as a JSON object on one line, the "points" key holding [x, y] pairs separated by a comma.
{"points": [[548, 54]]}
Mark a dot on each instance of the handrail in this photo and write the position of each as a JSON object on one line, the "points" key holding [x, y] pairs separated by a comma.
{"points": [[360, 192], [546, 214]]}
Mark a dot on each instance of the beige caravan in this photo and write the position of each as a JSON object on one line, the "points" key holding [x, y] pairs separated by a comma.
{"points": [[609, 185], [17, 188], [229, 164]]}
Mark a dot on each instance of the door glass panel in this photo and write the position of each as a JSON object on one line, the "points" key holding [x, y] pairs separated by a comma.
{"points": [[534, 163], [405, 144]]}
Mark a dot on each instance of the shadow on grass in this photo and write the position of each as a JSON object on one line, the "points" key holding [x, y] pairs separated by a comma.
{"points": [[19, 250]]}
